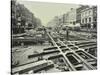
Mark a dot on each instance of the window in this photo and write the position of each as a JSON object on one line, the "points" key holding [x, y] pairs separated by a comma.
{"points": [[82, 20], [94, 26], [89, 12], [89, 19], [82, 14], [73, 23], [85, 20], [89, 26], [95, 19]]}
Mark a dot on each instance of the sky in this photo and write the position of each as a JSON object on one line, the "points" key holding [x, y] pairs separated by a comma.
{"points": [[46, 11]]}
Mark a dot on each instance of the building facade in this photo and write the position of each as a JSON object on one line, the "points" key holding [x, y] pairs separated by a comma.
{"points": [[87, 17], [22, 18], [71, 17]]}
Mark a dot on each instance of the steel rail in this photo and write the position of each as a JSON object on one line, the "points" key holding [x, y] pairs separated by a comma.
{"points": [[84, 61], [66, 59], [84, 51]]}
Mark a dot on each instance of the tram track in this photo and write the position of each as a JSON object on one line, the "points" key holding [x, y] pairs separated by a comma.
{"points": [[57, 43]]}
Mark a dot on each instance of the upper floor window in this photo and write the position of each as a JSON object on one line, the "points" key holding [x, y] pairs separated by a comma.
{"points": [[85, 20], [82, 20], [95, 19], [82, 14], [89, 19], [89, 11], [85, 13]]}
